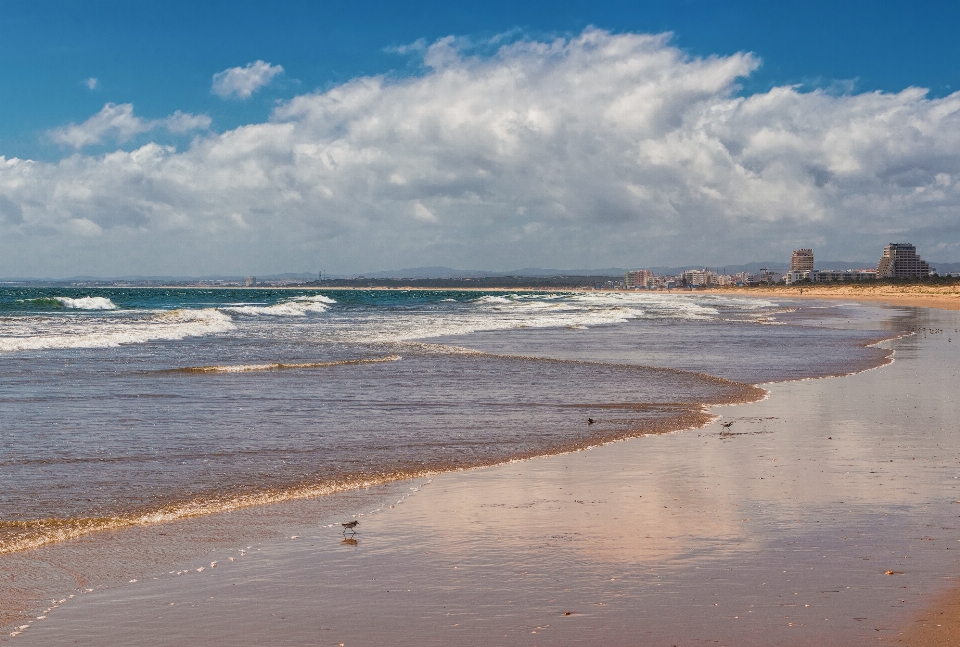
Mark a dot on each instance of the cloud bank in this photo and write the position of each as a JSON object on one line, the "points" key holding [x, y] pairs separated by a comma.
{"points": [[242, 82], [603, 149], [118, 122]]}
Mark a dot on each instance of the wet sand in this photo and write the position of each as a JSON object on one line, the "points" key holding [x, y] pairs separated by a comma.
{"points": [[827, 515]]}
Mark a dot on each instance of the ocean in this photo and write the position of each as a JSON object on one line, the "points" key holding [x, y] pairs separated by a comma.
{"points": [[131, 406]]}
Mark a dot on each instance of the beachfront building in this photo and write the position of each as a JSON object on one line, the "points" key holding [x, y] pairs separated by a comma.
{"points": [[638, 279], [746, 278], [698, 278], [802, 260], [769, 276], [828, 276], [900, 261]]}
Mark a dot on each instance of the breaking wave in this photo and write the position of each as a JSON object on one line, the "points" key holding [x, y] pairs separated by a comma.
{"points": [[40, 333], [295, 307], [574, 311], [87, 303]]}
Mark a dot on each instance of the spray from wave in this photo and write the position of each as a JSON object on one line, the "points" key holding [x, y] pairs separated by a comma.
{"points": [[87, 303]]}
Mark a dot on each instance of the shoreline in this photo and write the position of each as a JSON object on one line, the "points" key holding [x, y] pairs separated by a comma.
{"points": [[920, 296], [516, 550], [479, 476]]}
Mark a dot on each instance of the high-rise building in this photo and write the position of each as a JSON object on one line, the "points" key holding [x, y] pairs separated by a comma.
{"points": [[900, 261], [638, 279], [697, 278], [802, 260]]}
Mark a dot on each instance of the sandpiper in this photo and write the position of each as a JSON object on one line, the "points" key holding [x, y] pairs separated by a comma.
{"points": [[727, 425], [350, 525]]}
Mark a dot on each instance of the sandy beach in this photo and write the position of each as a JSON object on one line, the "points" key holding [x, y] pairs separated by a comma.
{"points": [[825, 515], [921, 296]]}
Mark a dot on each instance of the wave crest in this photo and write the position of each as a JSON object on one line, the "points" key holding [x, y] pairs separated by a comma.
{"points": [[42, 333], [279, 366], [86, 303], [295, 307]]}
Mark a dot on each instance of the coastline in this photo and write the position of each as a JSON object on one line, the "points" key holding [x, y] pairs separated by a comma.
{"points": [[609, 527], [940, 297], [921, 296]]}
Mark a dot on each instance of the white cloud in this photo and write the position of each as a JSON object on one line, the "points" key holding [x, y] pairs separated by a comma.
{"points": [[599, 150], [183, 122], [117, 121], [244, 81], [91, 83]]}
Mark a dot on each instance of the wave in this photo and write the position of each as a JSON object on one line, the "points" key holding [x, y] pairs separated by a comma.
{"points": [[574, 311], [295, 307], [278, 366], [80, 303], [41, 333], [87, 303], [18, 536]]}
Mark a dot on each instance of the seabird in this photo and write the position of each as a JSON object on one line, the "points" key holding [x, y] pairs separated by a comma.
{"points": [[727, 425], [350, 525], [590, 421]]}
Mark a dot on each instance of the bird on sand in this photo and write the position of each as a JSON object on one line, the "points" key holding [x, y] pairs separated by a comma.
{"points": [[727, 425], [350, 525], [590, 421]]}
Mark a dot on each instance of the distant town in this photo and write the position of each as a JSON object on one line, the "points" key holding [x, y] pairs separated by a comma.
{"points": [[899, 261]]}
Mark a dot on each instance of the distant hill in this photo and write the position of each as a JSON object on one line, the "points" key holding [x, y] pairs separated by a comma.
{"points": [[945, 268]]}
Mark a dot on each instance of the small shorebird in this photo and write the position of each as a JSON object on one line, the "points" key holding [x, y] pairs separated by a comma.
{"points": [[727, 425], [590, 421], [350, 525]]}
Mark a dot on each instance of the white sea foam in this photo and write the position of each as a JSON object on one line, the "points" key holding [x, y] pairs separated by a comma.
{"points": [[536, 310], [87, 303], [38, 333], [295, 307]]}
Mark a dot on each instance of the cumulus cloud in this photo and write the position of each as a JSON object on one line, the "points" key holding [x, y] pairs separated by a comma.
{"points": [[119, 123], [244, 81], [603, 149]]}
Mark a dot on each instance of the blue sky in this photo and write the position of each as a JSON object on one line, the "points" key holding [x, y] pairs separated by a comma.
{"points": [[161, 56], [252, 138]]}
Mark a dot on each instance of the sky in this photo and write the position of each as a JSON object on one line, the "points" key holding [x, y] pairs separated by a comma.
{"points": [[185, 138]]}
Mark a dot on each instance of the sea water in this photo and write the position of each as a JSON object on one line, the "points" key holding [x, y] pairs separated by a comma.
{"points": [[133, 406]]}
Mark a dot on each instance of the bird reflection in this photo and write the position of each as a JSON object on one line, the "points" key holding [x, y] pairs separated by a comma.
{"points": [[350, 541]]}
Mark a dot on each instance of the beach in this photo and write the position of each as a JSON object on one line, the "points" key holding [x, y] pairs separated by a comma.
{"points": [[824, 515], [921, 296]]}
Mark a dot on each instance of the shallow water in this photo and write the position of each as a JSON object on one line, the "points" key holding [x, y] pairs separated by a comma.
{"points": [[827, 516], [136, 406], [126, 407]]}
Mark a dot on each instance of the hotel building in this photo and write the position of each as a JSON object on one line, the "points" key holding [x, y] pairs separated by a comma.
{"points": [[802, 260], [638, 279], [900, 261]]}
